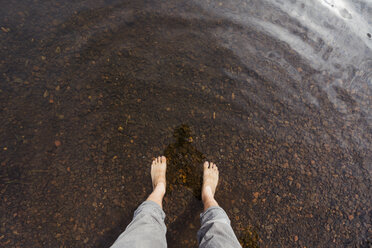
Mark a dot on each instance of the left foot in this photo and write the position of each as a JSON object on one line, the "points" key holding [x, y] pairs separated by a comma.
{"points": [[158, 169]]}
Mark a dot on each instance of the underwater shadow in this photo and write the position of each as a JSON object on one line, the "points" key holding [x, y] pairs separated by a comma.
{"points": [[184, 170]]}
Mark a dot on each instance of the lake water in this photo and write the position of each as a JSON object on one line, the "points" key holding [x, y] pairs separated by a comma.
{"points": [[277, 93]]}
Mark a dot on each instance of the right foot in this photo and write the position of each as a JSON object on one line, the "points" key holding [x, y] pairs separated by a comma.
{"points": [[210, 180]]}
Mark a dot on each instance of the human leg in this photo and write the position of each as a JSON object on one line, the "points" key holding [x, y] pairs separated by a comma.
{"points": [[147, 228], [215, 230]]}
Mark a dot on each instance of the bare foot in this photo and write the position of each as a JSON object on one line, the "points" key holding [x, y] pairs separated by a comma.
{"points": [[158, 169], [210, 181]]}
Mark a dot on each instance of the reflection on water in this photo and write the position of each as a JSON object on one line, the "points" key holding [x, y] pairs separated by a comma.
{"points": [[277, 93]]}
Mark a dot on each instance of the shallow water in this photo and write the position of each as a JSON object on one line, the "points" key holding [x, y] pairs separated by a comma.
{"points": [[277, 93]]}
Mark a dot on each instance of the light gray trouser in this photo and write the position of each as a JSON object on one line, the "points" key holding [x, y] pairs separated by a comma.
{"points": [[147, 229]]}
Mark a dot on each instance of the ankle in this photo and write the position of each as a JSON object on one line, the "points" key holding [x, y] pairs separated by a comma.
{"points": [[157, 195], [159, 189], [207, 194], [209, 203]]}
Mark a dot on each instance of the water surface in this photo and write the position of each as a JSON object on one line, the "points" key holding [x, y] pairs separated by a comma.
{"points": [[277, 93]]}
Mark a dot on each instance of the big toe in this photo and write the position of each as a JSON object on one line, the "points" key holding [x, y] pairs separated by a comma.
{"points": [[206, 165]]}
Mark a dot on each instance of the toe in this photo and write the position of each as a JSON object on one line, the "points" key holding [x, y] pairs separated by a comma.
{"points": [[163, 159], [206, 165], [213, 165]]}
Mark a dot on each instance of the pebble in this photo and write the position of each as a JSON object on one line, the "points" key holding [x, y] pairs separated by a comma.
{"points": [[236, 210]]}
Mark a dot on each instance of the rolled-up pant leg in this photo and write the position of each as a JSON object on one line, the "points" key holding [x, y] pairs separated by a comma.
{"points": [[215, 230], [147, 228]]}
